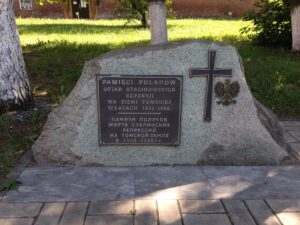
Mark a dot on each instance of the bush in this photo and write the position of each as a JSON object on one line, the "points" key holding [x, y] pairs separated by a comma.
{"points": [[138, 9], [271, 23]]}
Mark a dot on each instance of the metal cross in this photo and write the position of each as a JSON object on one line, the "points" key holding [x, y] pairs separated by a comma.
{"points": [[210, 73]]}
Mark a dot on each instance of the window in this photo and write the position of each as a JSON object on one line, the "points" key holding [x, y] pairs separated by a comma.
{"points": [[25, 4]]}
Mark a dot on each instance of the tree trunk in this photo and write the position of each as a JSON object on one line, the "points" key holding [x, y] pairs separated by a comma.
{"points": [[295, 16], [15, 92], [144, 20], [158, 22]]}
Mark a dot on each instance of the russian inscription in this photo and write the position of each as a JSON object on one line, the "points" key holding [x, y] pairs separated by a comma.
{"points": [[139, 110]]}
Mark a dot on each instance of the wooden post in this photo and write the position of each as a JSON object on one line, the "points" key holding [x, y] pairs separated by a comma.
{"points": [[158, 22], [295, 17]]}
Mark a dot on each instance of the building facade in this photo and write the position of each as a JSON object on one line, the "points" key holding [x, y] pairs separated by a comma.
{"points": [[92, 9]]}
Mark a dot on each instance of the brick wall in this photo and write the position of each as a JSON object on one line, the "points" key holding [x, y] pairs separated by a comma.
{"points": [[214, 8], [46, 10], [182, 8]]}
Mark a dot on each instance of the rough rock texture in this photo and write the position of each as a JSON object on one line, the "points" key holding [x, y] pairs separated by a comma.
{"points": [[238, 134]]}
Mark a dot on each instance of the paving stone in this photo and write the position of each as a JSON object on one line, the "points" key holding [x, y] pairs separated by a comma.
{"points": [[168, 212], [236, 182], [290, 138], [238, 212], [146, 212], [201, 206], [74, 213], [294, 122], [206, 219], [290, 124], [282, 183], [16, 221], [284, 205], [262, 214], [296, 147], [109, 220], [19, 209], [180, 182], [50, 214], [296, 134], [73, 183], [110, 207], [289, 218], [190, 182]]}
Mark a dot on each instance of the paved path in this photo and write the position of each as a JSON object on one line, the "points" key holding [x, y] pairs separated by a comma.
{"points": [[292, 133], [154, 212], [157, 195]]}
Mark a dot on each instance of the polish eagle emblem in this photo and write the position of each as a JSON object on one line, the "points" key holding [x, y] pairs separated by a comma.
{"points": [[227, 92]]}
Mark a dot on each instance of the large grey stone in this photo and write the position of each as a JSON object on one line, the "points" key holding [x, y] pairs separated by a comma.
{"points": [[241, 134]]}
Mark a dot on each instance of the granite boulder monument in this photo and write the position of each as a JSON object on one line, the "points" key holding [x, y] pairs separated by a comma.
{"points": [[181, 103]]}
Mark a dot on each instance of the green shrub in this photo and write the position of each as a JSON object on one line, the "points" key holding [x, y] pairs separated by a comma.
{"points": [[138, 9], [271, 23]]}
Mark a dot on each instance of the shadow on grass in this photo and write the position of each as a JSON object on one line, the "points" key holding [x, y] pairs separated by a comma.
{"points": [[272, 74], [74, 28], [55, 67]]}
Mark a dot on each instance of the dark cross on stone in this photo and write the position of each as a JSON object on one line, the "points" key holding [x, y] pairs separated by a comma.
{"points": [[210, 73]]}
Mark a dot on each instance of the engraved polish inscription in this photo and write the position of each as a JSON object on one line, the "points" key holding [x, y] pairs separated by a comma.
{"points": [[139, 110]]}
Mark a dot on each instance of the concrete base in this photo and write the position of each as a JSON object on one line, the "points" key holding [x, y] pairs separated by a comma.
{"points": [[52, 184]]}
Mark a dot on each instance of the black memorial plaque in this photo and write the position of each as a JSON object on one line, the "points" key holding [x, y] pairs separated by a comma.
{"points": [[139, 110]]}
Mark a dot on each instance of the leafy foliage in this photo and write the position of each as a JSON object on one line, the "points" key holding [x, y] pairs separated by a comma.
{"points": [[138, 9], [271, 23]]}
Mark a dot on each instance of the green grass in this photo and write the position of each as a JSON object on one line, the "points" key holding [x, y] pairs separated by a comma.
{"points": [[55, 51], [15, 139]]}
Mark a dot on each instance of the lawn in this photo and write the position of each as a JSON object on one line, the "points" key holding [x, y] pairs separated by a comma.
{"points": [[55, 51]]}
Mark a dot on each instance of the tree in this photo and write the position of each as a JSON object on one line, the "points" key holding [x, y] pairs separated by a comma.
{"points": [[276, 22], [295, 18], [271, 23], [139, 9], [15, 92], [134, 9]]}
